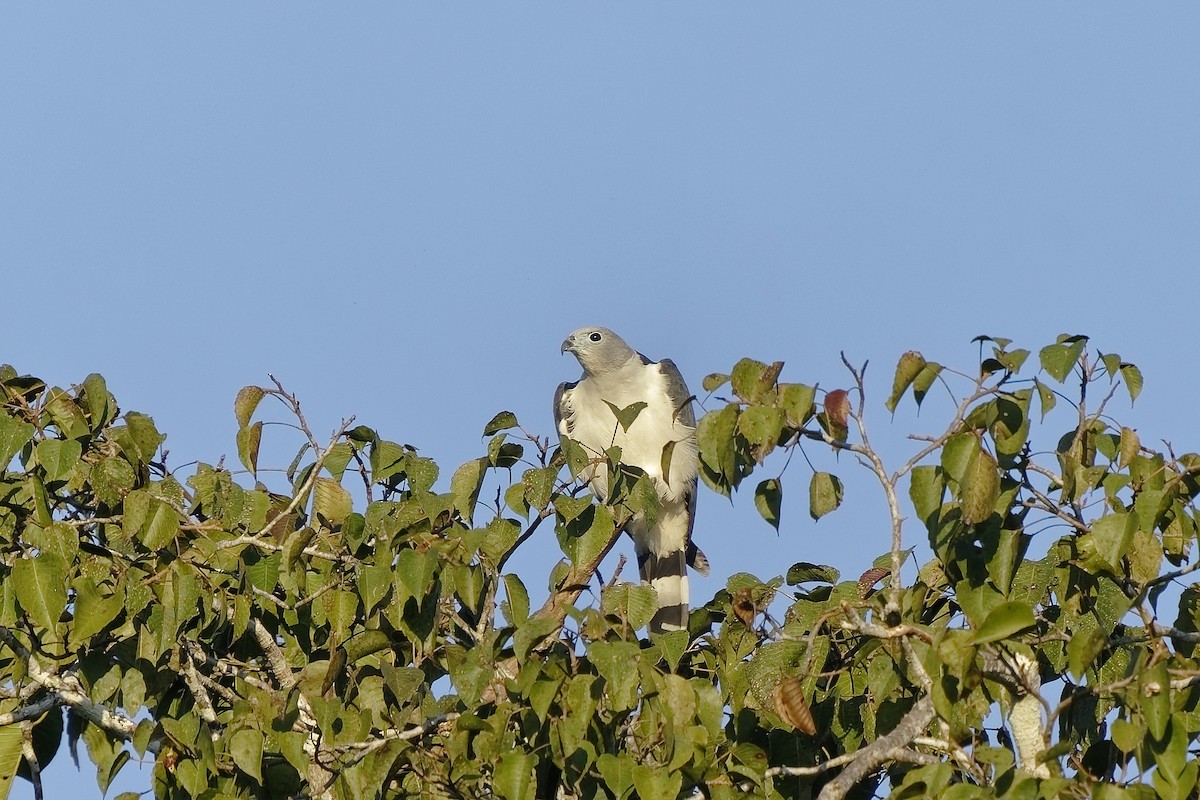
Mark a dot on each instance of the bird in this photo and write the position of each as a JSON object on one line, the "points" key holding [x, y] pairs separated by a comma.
{"points": [[614, 373]]}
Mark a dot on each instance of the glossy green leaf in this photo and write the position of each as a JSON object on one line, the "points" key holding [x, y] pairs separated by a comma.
{"points": [[1133, 380], [245, 404], [10, 756], [1083, 649], [41, 588], [631, 602], [14, 434], [1004, 621], [501, 422], [58, 457], [249, 439], [331, 500], [514, 778], [980, 488], [824, 494], [628, 415], [1059, 359], [714, 381], [768, 498], [246, 747], [907, 370]]}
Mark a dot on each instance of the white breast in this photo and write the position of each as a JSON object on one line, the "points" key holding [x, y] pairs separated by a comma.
{"points": [[595, 426]]}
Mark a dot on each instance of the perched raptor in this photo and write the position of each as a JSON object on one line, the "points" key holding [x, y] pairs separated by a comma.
{"points": [[614, 373]]}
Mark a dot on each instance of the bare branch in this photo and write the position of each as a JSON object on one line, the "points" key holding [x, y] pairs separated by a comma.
{"points": [[884, 749]]}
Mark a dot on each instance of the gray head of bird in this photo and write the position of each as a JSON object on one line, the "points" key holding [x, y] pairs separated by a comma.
{"points": [[599, 350]]}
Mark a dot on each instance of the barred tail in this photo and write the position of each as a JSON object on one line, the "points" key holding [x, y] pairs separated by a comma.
{"points": [[668, 575]]}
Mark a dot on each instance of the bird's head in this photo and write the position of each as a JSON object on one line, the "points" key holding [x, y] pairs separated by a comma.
{"points": [[599, 350]]}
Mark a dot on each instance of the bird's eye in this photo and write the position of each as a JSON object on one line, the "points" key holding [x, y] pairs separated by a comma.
{"points": [[595, 337]]}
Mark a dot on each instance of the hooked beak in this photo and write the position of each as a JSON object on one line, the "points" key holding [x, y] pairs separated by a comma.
{"points": [[568, 345]]}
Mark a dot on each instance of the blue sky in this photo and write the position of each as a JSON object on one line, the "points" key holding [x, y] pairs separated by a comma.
{"points": [[400, 210]]}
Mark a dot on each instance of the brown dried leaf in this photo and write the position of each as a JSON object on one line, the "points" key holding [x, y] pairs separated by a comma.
{"points": [[743, 607], [837, 407], [866, 583], [790, 705]]}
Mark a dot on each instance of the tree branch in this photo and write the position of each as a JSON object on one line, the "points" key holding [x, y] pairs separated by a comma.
{"points": [[881, 751]]}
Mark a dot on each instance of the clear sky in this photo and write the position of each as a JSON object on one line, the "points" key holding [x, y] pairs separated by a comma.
{"points": [[401, 209]]}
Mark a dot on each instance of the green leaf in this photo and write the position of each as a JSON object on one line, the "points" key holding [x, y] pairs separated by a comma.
{"points": [[617, 664], [93, 610], [1003, 621], [112, 479], [1104, 545], [1046, 396], [762, 425], [539, 485], [138, 439], [374, 580], [927, 487], [248, 441], [714, 381], [14, 434], [632, 602], [41, 588], [617, 772], [516, 603], [513, 778], [653, 783], [501, 422], [1126, 735], [627, 415], [465, 485], [246, 747], [980, 488], [1059, 359], [745, 378], [1154, 690], [1083, 649], [246, 402], [768, 497], [924, 380], [160, 527], [715, 436], [958, 454], [58, 457], [824, 494], [806, 572], [798, 401], [331, 501], [387, 460], [907, 370], [365, 643], [10, 756], [337, 458], [1133, 380]]}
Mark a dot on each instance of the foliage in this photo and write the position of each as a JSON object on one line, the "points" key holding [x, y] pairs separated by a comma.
{"points": [[357, 635]]}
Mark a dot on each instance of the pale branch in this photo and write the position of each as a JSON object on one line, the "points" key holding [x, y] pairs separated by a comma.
{"points": [[191, 678], [31, 759], [879, 752], [857, 623], [71, 692], [360, 750], [1019, 674], [32, 711]]}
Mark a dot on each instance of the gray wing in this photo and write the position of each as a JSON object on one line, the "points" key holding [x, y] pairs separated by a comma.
{"points": [[677, 390], [561, 412], [682, 399]]}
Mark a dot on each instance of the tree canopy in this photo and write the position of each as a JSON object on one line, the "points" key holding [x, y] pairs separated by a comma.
{"points": [[351, 631]]}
